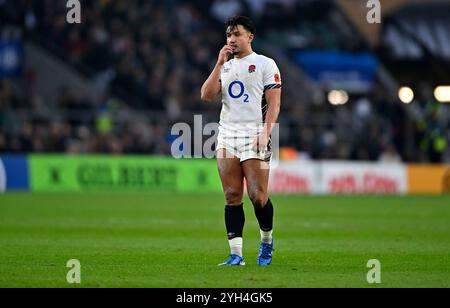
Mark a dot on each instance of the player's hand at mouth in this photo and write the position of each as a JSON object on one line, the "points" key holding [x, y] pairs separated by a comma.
{"points": [[224, 53]]}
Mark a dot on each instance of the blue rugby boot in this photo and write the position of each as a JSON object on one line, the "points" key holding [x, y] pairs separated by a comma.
{"points": [[234, 260], [265, 254]]}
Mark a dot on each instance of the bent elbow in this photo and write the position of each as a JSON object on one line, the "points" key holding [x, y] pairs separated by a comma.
{"points": [[206, 98]]}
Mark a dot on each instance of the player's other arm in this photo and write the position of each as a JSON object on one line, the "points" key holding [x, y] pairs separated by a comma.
{"points": [[211, 87], [273, 97], [272, 81]]}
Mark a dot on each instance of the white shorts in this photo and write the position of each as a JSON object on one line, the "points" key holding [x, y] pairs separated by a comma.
{"points": [[242, 148]]}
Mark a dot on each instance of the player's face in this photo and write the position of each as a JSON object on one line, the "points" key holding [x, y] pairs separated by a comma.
{"points": [[239, 39]]}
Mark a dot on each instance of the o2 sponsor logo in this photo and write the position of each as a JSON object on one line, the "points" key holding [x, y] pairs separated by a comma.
{"points": [[236, 91]]}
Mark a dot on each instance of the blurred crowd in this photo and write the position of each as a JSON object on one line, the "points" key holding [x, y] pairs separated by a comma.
{"points": [[152, 58]]}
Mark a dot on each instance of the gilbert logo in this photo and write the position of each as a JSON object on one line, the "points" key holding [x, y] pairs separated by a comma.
{"points": [[74, 14], [374, 14]]}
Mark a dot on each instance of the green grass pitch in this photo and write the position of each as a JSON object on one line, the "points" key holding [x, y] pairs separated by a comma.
{"points": [[176, 240]]}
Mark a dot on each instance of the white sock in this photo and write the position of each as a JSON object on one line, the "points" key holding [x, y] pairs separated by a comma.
{"points": [[236, 246], [266, 237]]}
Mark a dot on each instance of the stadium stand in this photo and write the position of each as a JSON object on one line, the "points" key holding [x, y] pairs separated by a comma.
{"points": [[150, 58]]}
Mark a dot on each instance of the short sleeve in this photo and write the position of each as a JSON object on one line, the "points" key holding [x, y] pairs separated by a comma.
{"points": [[272, 76]]}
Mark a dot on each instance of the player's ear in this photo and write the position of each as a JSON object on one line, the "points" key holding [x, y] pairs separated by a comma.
{"points": [[251, 37]]}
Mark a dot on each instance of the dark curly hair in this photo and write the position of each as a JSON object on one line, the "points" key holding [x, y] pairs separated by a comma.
{"points": [[244, 21]]}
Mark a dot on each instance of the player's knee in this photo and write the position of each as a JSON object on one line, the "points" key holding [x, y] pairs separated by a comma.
{"points": [[258, 198], [233, 196]]}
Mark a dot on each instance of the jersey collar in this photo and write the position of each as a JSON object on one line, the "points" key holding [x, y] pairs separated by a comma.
{"points": [[240, 59]]}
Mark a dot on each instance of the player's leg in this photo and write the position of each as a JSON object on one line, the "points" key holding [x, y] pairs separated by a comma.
{"points": [[257, 173], [232, 177]]}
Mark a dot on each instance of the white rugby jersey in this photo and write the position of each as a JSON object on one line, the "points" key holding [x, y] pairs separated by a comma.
{"points": [[244, 82]]}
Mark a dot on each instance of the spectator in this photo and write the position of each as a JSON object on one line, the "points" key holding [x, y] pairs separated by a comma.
{"points": [[224, 9]]}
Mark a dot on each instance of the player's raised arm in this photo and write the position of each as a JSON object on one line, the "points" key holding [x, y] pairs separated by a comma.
{"points": [[211, 87]]}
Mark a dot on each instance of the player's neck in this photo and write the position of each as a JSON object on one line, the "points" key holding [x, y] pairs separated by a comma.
{"points": [[244, 54]]}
